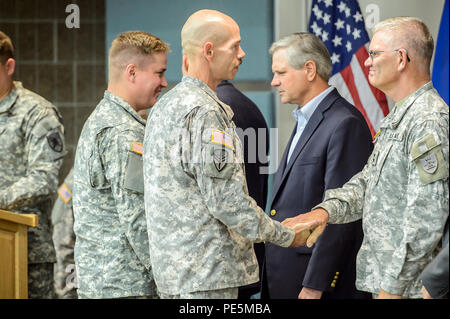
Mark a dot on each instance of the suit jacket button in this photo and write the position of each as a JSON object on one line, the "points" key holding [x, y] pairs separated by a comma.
{"points": [[273, 212]]}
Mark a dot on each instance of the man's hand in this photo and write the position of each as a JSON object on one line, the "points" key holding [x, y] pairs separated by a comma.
{"points": [[425, 293], [309, 293], [315, 220], [386, 295]]}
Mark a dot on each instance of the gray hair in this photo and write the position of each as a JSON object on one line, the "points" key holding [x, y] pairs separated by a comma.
{"points": [[411, 32], [303, 46]]}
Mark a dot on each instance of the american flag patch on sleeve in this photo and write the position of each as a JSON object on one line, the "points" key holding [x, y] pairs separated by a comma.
{"points": [[65, 193], [222, 138], [137, 148]]}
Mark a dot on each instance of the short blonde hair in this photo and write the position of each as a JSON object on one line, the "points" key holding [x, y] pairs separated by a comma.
{"points": [[413, 33], [133, 47]]}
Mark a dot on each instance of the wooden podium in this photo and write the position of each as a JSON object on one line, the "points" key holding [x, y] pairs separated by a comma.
{"points": [[14, 254]]}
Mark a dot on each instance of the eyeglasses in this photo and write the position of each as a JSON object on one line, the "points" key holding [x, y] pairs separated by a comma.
{"points": [[374, 54]]}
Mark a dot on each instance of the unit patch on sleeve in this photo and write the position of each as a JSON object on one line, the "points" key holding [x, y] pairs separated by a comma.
{"points": [[55, 142]]}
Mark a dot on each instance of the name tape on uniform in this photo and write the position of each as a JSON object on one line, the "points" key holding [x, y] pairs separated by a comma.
{"points": [[137, 148], [222, 138]]}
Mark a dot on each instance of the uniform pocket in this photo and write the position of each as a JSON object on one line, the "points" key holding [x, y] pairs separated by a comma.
{"points": [[429, 159], [134, 174], [97, 177], [218, 161]]}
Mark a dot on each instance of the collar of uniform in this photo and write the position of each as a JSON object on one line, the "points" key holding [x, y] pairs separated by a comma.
{"points": [[124, 104], [394, 118], [202, 85], [11, 98]]}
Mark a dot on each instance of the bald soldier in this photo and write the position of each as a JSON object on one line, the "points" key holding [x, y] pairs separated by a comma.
{"points": [[201, 221], [111, 249]]}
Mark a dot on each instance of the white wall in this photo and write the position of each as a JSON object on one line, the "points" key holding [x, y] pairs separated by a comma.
{"points": [[293, 15]]}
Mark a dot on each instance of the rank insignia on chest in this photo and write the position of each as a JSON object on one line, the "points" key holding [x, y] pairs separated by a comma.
{"points": [[137, 148], [220, 137], [220, 159], [65, 193]]}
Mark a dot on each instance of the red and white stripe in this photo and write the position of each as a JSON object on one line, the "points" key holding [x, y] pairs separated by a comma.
{"points": [[353, 84]]}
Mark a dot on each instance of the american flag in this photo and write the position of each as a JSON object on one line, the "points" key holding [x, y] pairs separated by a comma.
{"points": [[340, 25]]}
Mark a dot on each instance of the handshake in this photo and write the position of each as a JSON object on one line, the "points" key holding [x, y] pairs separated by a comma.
{"points": [[308, 227]]}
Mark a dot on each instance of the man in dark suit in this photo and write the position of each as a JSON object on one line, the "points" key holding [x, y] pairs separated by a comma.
{"points": [[248, 119], [331, 143]]}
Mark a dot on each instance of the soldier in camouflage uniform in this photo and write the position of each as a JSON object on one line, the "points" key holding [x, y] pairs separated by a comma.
{"points": [[201, 221], [111, 249], [64, 240], [31, 154], [402, 192]]}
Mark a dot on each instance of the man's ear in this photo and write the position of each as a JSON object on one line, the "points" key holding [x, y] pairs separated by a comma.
{"points": [[208, 50], [184, 65], [130, 72], [10, 66], [311, 71], [403, 59]]}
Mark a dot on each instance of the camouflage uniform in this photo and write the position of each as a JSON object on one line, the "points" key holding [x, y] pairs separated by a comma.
{"points": [[227, 293], [401, 195], [201, 221], [111, 248], [31, 153], [64, 241]]}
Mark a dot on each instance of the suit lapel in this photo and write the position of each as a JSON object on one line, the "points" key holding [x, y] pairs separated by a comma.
{"points": [[310, 128], [282, 167]]}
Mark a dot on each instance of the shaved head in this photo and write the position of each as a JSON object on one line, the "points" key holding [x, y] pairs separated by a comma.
{"points": [[205, 26], [133, 47]]}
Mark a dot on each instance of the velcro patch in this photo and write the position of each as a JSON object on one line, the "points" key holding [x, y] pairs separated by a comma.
{"points": [[429, 163], [55, 142], [65, 193], [222, 138], [429, 159], [137, 148], [220, 159]]}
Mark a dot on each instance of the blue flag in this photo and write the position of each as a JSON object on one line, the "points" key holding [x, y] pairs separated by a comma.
{"points": [[440, 67]]}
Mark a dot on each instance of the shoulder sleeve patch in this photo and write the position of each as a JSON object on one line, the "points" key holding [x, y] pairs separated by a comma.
{"points": [[219, 161], [429, 159], [134, 173], [55, 142]]}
